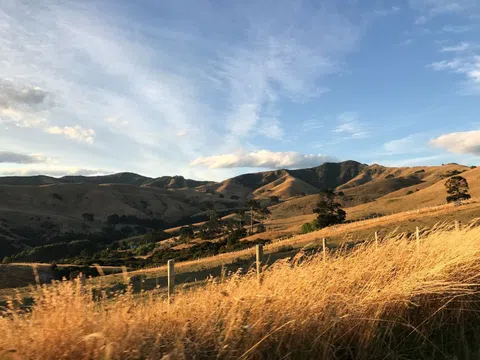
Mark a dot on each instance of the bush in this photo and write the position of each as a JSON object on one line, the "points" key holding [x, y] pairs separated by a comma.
{"points": [[409, 192], [145, 249], [308, 227]]}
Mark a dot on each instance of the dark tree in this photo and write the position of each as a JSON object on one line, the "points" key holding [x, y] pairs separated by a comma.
{"points": [[457, 189], [328, 211], [213, 227], [113, 219], [274, 199], [186, 233], [88, 217]]}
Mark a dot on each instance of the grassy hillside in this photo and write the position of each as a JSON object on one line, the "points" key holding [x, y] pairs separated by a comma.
{"points": [[394, 300], [429, 196]]}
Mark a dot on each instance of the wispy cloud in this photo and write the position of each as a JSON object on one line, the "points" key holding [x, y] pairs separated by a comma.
{"points": [[468, 66], [457, 29], [467, 142], [456, 48], [262, 159], [421, 20], [350, 127], [430, 9], [162, 95], [310, 125], [412, 143], [387, 11]]}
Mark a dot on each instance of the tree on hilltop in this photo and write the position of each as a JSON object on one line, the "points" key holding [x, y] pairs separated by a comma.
{"points": [[457, 189]]}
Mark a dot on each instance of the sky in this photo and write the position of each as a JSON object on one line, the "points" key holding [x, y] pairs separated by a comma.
{"points": [[212, 89]]}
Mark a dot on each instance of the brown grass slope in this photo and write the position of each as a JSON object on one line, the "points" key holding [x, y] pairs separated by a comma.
{"points": [[285, 187], [373, 182], [63, 205], [388, 302], [429, 196]]}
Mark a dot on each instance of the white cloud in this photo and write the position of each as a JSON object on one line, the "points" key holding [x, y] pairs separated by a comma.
{"points": [[51, 171], [351, 126], [18, 158], [467, 142], [457, 48], [73, 132], [262, 159]]}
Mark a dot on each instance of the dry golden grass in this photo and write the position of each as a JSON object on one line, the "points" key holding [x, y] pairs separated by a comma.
{"points": [[391, 301]]}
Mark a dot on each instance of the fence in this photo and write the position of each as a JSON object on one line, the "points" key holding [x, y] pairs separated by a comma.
{"points": [[259, 258]]}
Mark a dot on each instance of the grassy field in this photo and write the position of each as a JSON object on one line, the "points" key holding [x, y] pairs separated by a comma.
{"points": [[243, 260], [393, 301]]}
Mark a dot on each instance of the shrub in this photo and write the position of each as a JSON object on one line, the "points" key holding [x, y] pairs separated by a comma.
{"points": [[308, 227]]}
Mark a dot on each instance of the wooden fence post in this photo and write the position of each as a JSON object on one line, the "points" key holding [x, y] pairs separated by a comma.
{"points": [[171, 280], [324, 245], [259, 252], [457, 225], [417, 236]]}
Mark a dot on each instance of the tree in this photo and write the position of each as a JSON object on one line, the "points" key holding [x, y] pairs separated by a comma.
{"points": [[88, 217], [457, 189], [213, 227], [186, 233], [328, 211], [257, 213], [113, 219]]}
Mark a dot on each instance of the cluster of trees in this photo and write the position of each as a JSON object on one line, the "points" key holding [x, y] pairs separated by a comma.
{"points": [[116, 219], [233, 229]]}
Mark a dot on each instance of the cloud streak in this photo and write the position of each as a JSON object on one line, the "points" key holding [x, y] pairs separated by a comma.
{"points": [[262, 159], [350, 127], [457, 48], [18, 158]]}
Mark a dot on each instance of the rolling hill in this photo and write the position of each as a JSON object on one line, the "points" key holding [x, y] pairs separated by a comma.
{"points": [[38, 210]]}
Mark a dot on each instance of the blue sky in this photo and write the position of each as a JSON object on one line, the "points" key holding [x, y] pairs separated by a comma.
{"points": [[211, 89]]}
